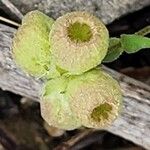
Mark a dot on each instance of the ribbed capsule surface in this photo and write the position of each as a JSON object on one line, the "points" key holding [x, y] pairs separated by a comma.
{"points": [[79, 42], [31, 48]]}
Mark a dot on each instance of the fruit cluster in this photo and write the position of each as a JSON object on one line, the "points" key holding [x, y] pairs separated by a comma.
{"points": [[66, 53]]}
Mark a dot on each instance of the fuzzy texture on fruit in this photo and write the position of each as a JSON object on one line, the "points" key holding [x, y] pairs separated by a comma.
{"points": [[54, 104], [95, 97], [79, 42], [92, 100], [31, 48]]}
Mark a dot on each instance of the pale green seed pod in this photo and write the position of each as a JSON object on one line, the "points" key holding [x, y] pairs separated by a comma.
{"points": [[31, 48], [92, 100], [79, 42], [95, 97], [54, 104]]}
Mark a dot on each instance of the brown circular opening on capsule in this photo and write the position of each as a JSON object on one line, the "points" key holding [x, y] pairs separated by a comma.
{"points": [[79, 32], [101, 112]]}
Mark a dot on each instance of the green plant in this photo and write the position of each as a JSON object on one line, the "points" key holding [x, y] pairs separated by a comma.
{"points": [[31, 48], [79, 42], [129, 43], [91, 100], [65, 53]]}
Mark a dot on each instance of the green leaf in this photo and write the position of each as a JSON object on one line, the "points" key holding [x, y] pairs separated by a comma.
{"points": [[114, 50], [132, 43]]}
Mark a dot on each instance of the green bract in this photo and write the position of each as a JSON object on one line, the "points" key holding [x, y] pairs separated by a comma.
{"points": [[92, 100], [31, 48], [114, 51], [79, 42]]}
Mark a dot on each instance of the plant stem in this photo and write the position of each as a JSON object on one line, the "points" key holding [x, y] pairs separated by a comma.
{"points": [[144, 31]]}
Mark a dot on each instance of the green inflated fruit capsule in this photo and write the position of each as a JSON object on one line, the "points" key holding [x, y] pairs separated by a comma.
{"points": [[92, 99], [54, 104], [95, 97], [79, 42], [31, 48]]}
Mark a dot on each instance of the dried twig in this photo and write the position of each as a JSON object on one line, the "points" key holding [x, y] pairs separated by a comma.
{"points": [[7, 142], [68, 144], [9, 21], [13, 11], [96, 137]]}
